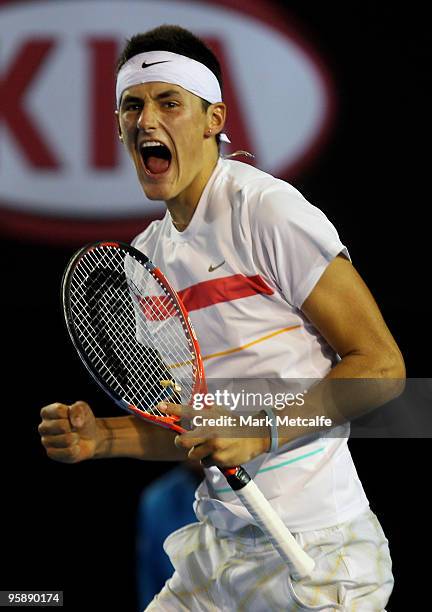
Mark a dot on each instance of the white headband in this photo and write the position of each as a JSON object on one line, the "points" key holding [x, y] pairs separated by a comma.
{"points": [[167, 67]]}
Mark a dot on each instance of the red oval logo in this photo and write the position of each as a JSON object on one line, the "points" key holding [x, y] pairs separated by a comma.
{"points": [[63, 175]]}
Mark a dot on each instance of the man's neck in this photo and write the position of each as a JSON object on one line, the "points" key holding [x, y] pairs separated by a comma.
{"points": [[183, 206]]}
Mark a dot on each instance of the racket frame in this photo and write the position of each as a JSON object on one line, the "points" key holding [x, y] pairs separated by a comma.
{"points": [[199, 384]]}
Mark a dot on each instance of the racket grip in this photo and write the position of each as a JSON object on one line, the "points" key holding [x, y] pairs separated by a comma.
{"points": [[276, 531]]}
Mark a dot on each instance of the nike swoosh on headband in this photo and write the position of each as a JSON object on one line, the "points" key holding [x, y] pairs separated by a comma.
{"points": [[145, 65]]}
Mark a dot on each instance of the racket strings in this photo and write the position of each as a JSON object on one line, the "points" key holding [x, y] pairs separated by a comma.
{"points": [[93, 339], [159, 317], [129, 383], [112, 298], [104, 347], [131, 329]]}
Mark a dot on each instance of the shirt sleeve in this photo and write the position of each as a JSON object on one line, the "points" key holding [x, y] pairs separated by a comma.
{"points": [[293, 241]]}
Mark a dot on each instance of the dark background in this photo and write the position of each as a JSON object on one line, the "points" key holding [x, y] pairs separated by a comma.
{"points": [[72, 527]]}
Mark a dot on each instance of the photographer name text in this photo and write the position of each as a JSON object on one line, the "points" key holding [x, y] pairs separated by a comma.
{"points": [[265, 421]]}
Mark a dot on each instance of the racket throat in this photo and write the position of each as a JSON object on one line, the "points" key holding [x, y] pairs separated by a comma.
{"points": [[237, 478]]}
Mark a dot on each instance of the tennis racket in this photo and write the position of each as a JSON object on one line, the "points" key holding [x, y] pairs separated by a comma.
{"points": [[134, 335]]}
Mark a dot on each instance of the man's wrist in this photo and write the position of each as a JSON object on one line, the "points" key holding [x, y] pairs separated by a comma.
{"points": [[270, 436], [114, 437], [104, 439]]}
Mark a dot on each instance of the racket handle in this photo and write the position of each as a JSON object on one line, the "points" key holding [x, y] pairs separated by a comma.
{"points": [[274, 529]]}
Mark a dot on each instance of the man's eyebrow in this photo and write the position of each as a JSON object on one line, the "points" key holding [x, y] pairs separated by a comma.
{"points": [[129, 98], [168, 94]]}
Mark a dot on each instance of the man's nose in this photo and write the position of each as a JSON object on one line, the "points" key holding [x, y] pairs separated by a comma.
{"points": [[147, 119]]}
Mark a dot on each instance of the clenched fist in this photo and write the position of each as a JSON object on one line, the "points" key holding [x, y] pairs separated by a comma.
{"points": [[69, 433]]}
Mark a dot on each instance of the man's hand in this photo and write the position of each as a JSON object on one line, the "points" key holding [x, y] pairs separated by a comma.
{"points": [[69, 433], [225, 445]]}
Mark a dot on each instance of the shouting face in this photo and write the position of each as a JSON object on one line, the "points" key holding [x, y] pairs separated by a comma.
{"points": [[166, 132]]}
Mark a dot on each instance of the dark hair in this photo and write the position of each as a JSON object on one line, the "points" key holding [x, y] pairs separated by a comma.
{"points": [[175, 39]]}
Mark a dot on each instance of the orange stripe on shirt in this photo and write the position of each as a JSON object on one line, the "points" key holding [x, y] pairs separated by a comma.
{"points": [[237, 348], [249, 344]]}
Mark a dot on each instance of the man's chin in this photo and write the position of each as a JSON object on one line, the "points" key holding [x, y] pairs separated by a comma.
{"points": [[157, 192]]}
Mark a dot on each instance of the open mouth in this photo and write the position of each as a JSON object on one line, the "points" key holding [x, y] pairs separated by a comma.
{"points": [[156, 157]]}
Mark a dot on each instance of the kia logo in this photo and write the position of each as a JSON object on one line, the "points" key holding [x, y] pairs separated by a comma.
{"points": [[63, 174]]}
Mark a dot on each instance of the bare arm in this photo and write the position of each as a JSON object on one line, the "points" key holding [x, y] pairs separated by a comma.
{"points": [[345, 313], [72, 433], [129, 437]]}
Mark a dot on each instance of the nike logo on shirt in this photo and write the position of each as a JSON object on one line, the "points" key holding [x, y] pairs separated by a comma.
{"points": [[213, 268]]}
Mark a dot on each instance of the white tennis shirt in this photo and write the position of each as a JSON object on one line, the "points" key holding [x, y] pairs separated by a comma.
{"points": [[251, 255]]}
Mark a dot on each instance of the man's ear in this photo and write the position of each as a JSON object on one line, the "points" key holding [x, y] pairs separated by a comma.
{"points": [[216, 117], [120, 135]]}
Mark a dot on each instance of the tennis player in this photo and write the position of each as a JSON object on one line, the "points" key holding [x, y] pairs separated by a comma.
{"points": [[272, 295]]}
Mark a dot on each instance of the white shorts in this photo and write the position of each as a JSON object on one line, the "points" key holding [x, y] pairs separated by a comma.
{"points": [[216, 571]]}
